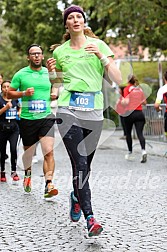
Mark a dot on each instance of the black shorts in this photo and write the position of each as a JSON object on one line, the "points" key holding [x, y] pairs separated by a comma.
{"points": [[32, 130]]}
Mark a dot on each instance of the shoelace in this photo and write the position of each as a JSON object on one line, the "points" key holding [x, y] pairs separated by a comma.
{"points": [[91, 221], [76, 207], [27, 181]]}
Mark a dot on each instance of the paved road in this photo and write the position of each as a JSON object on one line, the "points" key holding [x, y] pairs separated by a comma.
{"points": [[129, 199]]}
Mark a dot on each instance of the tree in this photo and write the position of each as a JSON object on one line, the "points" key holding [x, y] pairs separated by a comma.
{"points": [[32, 21], [144, 21], [8, 63]]}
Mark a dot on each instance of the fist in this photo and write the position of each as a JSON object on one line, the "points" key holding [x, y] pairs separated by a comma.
{"points": [[30, 91], [9, 105], [50, 64]]}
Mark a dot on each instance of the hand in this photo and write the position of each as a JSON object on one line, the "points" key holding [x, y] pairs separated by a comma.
{"points": [[8, 105], [53, 96], [158, 109], [124, 101], [50, 64], [92, 48], [157, 106], [29, 91]]}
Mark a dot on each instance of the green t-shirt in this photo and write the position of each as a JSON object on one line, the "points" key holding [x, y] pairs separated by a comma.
{"points": [[36, 106], [82, 71]]}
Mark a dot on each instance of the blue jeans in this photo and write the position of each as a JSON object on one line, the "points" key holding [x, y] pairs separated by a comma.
{"points": [[80, 138]]}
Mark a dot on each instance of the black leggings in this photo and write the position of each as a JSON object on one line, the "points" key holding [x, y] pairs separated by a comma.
{"points": [[136, 118], [12, 137], [122, 118], [165, 122], [80, 139]]}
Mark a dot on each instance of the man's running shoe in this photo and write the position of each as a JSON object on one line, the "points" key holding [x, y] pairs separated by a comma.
{"points": [[27, 183], [15, 176], [3, 177], [50, 191], [94, 228], [75, 209], [144, 158]]}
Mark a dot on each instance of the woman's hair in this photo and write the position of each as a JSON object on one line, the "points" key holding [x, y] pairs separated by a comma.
{"points": [[87, 31], [133, 80], [52, 47]]}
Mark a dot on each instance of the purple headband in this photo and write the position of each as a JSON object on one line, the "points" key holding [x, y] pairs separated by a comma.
{"points": [[73, 8]]}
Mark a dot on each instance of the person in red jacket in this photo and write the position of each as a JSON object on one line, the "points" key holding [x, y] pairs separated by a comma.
{"points": [[133, 100]]}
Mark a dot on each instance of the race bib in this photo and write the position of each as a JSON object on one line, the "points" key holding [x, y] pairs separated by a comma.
{"points": [[82, 101], [11, 113], [37, 106]]}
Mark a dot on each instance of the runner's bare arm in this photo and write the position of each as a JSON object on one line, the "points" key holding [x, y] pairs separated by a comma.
{"points": [[112, 71], [15, 94]]}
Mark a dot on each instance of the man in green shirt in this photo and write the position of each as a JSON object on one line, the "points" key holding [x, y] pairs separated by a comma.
{"points": [[32, 85]]}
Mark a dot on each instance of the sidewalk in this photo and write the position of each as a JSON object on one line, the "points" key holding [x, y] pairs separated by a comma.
{"points": [[110, 140], [128, 198]]}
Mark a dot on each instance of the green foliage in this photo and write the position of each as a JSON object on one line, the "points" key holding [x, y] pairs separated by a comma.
{"points": [[147, 72], [144, 22], [33, 21], [40, 21], [10, 59]]}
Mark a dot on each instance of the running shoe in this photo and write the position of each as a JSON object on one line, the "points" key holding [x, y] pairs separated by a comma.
{"points": [[27, 183], [50, 191], [144, 158], [129, 157], [3, 177], [75, 209], [94, 228], [15, 176]]}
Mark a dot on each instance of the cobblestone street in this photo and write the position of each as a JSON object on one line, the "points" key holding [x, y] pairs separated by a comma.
{"points": [[128, 198]]}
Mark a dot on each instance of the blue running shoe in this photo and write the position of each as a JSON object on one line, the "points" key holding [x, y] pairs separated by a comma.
{"points": [[75, 209], [94, 228]]}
